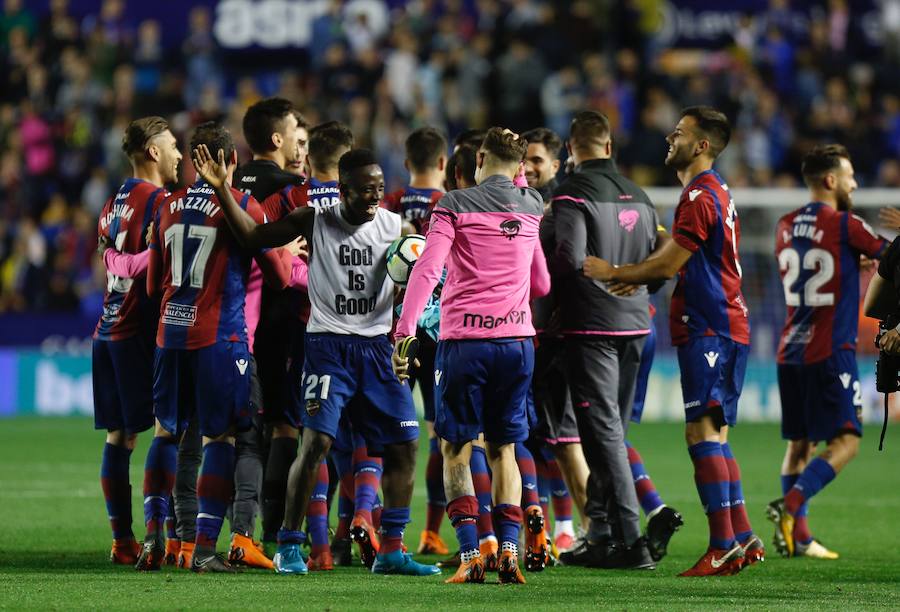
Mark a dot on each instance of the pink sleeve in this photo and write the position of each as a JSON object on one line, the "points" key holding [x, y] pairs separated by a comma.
{"points": [[299, 274], [427, 272], [126, 265], [540, 276]]}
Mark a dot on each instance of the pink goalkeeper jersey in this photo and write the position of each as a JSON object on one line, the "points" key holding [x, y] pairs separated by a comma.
{"points": [[487, 237]]}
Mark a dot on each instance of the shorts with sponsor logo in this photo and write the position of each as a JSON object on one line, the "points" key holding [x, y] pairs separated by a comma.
{"points": [[351, 376], [483, 386], [643, 377], [556, 422], [213, 382], [822, 400], [122, 372], [712, 376]]}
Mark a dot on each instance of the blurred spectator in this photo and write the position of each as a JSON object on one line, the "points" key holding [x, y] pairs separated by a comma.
{"points": [[15, 17]]}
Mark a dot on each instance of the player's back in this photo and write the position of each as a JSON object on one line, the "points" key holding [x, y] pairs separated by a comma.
{"points": [[488, 284], [414, 205], [262, 177], [707, 300], [818, 251], [204, 270], [323, 194], [124, 220]]}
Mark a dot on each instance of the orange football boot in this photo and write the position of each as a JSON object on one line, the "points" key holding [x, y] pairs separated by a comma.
{"points": [[173, 547], [537, 549], [186, 555], [473, 572], [323, 561], [488, 550], [430, 543], [362, 532], [125, 552], [244, 551], [508, 571], [718, 563]]}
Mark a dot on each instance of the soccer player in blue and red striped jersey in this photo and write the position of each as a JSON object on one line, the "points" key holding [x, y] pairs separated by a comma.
{"points": [[710, 326], [426, 161], [202, 360], [123, 340], [818, 248]]}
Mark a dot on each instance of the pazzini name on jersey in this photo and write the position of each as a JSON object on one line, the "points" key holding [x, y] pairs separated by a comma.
{"points": [[204, 205]]}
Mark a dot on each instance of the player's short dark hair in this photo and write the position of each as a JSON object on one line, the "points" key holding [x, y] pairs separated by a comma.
{"points": [[139, 133], [822, 159], [589, 129], [424, 147], [464, 159], [713, 125], [469, 138], [353, 159], [326, 142], [215, 137], [546, 137], [264, 119], [505, 146]]}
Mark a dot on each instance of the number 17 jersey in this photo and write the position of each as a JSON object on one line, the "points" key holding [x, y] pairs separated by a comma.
{"points": [[818, 250], [201, 267]]}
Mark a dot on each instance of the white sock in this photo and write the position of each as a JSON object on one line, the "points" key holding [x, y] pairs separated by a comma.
{"points": [[565, 527]]}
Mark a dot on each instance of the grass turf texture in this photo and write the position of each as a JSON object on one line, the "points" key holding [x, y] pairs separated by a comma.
{"points": [[55, 541]]}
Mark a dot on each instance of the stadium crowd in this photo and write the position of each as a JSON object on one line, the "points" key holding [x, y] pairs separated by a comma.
{"points": [[70, 83]]}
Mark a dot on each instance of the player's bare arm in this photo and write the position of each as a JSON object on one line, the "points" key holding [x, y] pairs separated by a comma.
{"points": [[623, 289], [665, 265], [881, 299], [250, 234]]}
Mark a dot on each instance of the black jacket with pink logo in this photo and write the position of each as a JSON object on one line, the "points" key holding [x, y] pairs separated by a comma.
{"points": [[597, 211]]}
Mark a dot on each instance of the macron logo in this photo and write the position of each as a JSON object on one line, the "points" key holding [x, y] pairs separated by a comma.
{"points": [[845, 379], [242, 365], [437, 377], [694, 193], [711, 358]]}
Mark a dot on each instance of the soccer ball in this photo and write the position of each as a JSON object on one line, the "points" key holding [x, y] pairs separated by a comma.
{"points": [[401, 256]]}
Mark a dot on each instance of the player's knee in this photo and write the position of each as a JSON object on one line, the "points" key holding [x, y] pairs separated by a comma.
{"points": [[315, 445], [702, 430], [120, 438], [454, 452], [500, 452], [844, 447], [798, 452], [161, 432]]}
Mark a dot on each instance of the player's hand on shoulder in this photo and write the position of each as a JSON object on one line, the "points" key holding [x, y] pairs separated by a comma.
{"points": [[213, 171], [298, 247], [149, 235], [597, 269]]}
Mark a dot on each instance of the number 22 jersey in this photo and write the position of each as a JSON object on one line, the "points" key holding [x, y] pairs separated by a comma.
{"points": [[201, 269], [818, 251]]}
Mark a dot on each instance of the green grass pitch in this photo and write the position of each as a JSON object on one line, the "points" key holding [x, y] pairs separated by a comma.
{"points": [[55, 541]]}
